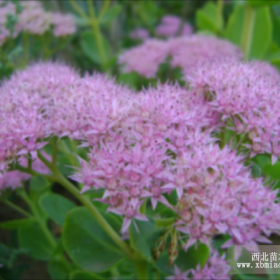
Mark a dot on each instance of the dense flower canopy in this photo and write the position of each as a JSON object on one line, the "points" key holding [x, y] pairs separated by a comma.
{"points": [[151, 144]]}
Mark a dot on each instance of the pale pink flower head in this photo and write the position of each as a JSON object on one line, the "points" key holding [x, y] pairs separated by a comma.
{"points": [[179, 275], [247, 93], [93, 105], [63, 24], [5, 10], [13, 179], [146, 58], [189, 52], [170, 27], [186, 53], [28, 104], [216, 268], [140, 33], [33, 18]]}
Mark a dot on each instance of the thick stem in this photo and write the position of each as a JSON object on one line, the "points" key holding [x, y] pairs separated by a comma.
{"points": [[247, 30], [98, 38], [220, 15], [220, 5], [104, 9], [78, 9], [96, 33], [26, 48], [15, 207], [54, 155], [44, 160]]}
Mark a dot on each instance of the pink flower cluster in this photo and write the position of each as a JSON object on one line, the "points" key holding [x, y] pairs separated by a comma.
{"points": [[170, 27], [143, 146], [163, 144], [140, 33], [146, 58], [51, 98], [216, 268], [185, 52], [28, 99], [246, 95], [35, 20], [13, 179]]}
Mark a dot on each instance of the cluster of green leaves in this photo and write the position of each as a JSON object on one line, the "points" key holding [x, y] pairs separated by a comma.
{"points": [[252, 25]]}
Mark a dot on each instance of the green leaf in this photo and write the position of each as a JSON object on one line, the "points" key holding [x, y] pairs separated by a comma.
{"points": [[39, 183], [185, 260], [260, 34], [274, 58], [87, 243], [90, 47], [33, 238], [17, 224], [144, 237], [56, 206], [11, 21], [209, 19], [262, 160], [111, 13], [272, 170], [15, 52], [129, 79], [84, 275], [256, 170], [59, 269], [276, 28], [261, 3]]}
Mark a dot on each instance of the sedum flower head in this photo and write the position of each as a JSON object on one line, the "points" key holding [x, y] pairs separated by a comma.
{"points": [[28, 105], [247, 94], [170, 27], [139, 33], [185, 52], [146, 58], [34, 19]]}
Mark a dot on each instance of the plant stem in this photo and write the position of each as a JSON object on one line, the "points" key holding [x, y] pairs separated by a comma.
{"points": [[104, 9], [38, 218], [26, 48], [86, 202], [96, 32], [32, 172], [54, 155], [78, 9], [220, 15], [45, 161], [247, 30], [220, 6], [15, 207]]}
